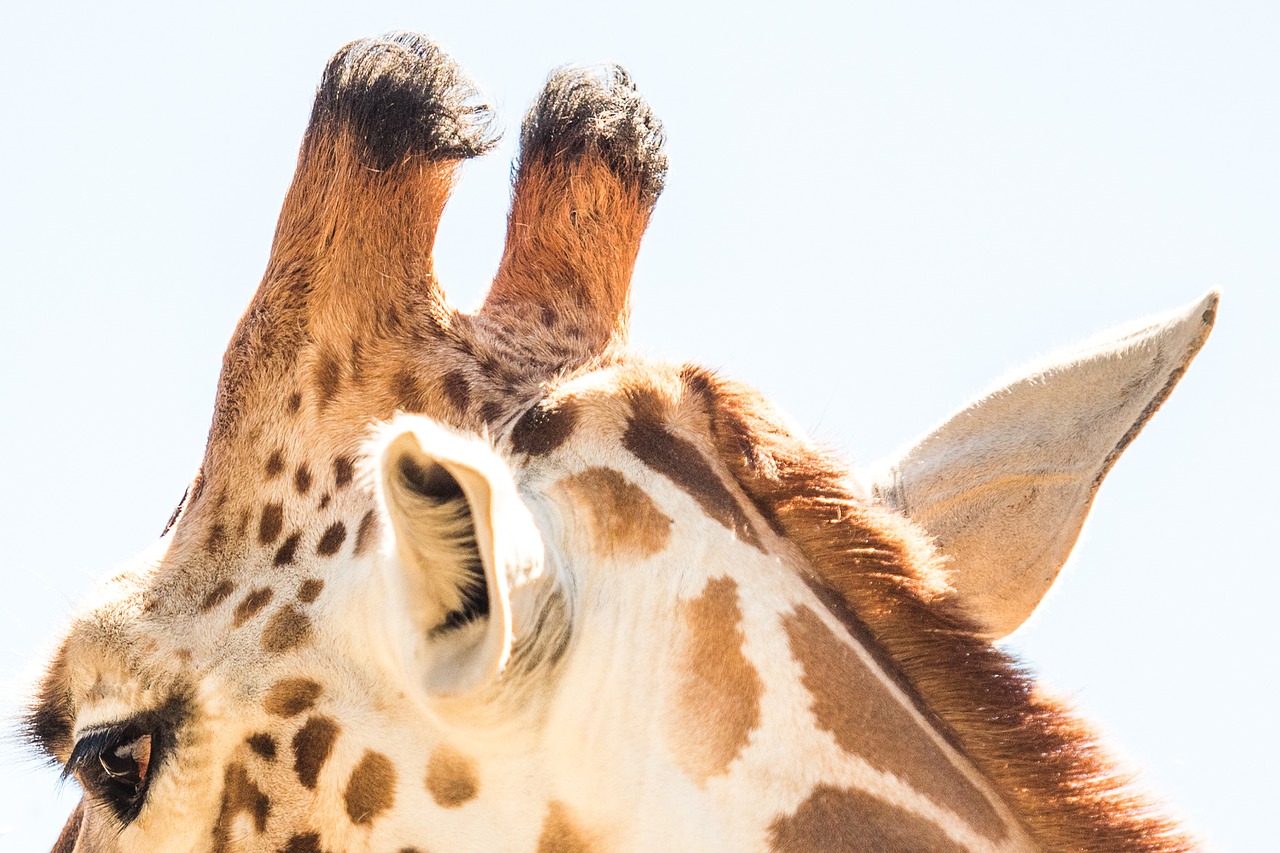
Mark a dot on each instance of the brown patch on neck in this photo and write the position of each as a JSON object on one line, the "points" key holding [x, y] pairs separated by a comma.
{"points": [[836, 820], [371, 790], [451, 777], [561, 833], [1035, 751], [652, 442], [718, 703], [618, 517], [868, 722]]}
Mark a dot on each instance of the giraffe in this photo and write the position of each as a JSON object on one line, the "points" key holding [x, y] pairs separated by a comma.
{"points": [[493, 581]]}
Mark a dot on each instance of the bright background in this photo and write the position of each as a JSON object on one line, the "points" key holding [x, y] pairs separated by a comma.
{"points": [[873, 211]]}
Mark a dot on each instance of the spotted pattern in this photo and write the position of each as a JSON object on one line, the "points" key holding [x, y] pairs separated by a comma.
{"points": [[217, 595], [371, 790], [291, 696], [451, 777], [334, 535], [837, 820], [271, 523], [288, 627], [239, 796], [365, 532], [288, 550], [717, 704], [619, 519], [677, 459], [561, 833], [544, 428], [310, 590], [312, 746], [253, 602], [263, 745], [868, 722]]}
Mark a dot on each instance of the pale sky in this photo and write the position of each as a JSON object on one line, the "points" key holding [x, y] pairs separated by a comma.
{"points": [[873, 212]]}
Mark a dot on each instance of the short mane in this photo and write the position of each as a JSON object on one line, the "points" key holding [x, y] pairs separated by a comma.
{"points": [[1038, 753]]}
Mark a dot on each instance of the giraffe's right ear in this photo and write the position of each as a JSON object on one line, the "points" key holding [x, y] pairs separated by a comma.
{"points": [[461, 538], [1005, 484]]}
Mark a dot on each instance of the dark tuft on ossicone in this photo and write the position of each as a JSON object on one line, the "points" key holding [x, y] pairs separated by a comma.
{"points": [[399, 95], [586, 111]]}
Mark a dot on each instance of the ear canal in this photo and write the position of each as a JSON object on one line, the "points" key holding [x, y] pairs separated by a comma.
{"points": [[463, 539], [591, 168], [1004, 486]]}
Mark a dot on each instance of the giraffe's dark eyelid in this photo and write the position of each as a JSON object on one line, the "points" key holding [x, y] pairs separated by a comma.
{"points": [[112, 772]]}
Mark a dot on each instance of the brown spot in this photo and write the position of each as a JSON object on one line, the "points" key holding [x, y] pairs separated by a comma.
{"points": [[682, 463], [344, 471], [311, 748], [243, 526], [365, 533], [291, 696], [408, 392], [216, 538], [310, 590], [239, 796], [264, 745], [302, 479], [560, 833], [270, 524], [544, 428], [457, 389], [216, 596], [275, 463], [295, 403], [332, 539], [328, 377], [451, 777], [284, 556], [869, 722], [837, 819], [719, 700], [288, 627], [371, 789], [620, 518], [251, 604], [307, 842], [324, 500]]}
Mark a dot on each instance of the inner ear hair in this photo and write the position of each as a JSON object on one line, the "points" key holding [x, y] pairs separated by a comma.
{"points": [[448, 559]]}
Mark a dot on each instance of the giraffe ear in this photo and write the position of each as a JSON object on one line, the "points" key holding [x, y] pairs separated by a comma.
{"points": [[461, 538], [1005, 484]]}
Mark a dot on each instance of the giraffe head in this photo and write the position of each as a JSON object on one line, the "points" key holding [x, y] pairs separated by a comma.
{"points": [[456, 581]]}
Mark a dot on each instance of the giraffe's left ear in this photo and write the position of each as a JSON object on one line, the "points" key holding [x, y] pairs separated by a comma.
{"points": [[1005, 484], [461, 539]]}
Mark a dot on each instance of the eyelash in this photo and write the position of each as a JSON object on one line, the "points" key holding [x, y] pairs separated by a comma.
{"points": [[115, 766]]}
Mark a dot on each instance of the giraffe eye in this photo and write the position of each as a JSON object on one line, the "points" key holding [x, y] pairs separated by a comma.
{"points": [[112, 765]]}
